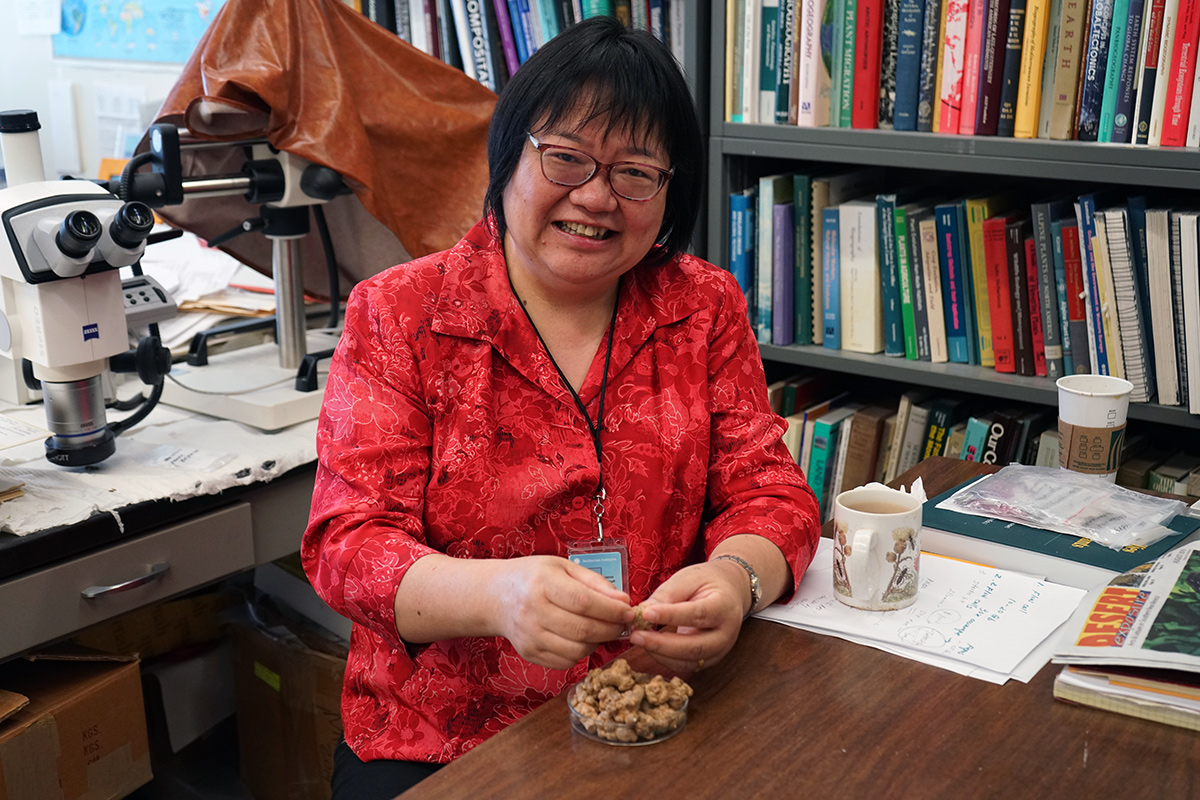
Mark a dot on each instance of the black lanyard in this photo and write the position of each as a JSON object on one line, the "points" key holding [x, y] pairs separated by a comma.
{"points": [[593, 428]]}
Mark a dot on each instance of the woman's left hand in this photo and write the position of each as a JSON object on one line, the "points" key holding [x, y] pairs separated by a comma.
{"points": [[700, 610]]}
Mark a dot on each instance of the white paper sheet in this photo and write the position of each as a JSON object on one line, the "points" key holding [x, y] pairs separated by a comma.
{"points": [[972, 619]]}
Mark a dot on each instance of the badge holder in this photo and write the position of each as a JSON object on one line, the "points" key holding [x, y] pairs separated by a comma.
{"points": [[606, 557]]}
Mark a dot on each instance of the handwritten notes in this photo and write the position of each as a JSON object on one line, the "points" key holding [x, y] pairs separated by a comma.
{"points": [[976, 615]]}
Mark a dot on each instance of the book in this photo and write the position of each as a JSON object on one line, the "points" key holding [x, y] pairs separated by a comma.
{"points": [[1042, 214], [1029, 78], [786, 111], [976, 26], [831, 285], [867, 64], [735, 36], [1095, 59], [978, 209], [449, 48], [832, 189], [904, 408], [1171, 475], [768, 69], [1002, 435], [1168, 696], [911, 24], [840, 73], [889, 277], [904, 278], [772, 190], [751, 75], [916, 262], [1076, 298], [953, 282], [860, 302], [1107, 301], [1180, 313], [954, 440], [991, 67], [887, 63], [927, 87], [1047, 453], [1162, 308], [1016, 232], [1085, 215], [1036, 332], [833, 481], [1189, 250], [783, 260], [814, 86], [462, 33], [954, 48], [812, 413], [802, 202], [945, 412], [912, 444], [1127, 77], [1058, 557], [975, 437], [998, 282], [1118, 43], [1182, 72], [1066, 75], [1135, 355], [1060, 285], [1151, 52], [1048, 66], [1011, 76], [824, 452], [742, 240], [885, 448], [932, 276], [864, 444], [941, 65], [508, 42]]}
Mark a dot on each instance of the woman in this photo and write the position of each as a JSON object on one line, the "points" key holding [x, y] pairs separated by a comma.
{"points": [[561, 399]]}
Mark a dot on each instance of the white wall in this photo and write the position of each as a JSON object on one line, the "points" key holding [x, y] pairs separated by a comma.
{"points": [[29, 73]]}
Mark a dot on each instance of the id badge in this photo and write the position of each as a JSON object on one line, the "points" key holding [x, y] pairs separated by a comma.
{"points": [[609, 559]]}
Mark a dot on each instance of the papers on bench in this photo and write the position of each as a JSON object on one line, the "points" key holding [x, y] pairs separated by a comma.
{"points": [[974, 620]]}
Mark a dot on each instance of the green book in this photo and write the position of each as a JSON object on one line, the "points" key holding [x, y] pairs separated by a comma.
{"points": [[824, 449], [1055, 556], [802, 204]]}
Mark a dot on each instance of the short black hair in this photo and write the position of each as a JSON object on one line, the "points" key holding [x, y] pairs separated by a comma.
{"points": [[629, 80]]}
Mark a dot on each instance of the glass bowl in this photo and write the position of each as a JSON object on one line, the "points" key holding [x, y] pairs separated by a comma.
{"points": [[664, 723]]}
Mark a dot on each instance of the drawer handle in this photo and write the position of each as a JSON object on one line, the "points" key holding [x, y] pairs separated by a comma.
{"points": [[156, 572]]}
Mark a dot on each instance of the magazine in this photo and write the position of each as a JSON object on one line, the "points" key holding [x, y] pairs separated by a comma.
{"points": [[1146, 617]]}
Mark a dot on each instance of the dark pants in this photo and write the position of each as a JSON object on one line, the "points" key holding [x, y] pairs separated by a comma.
{"points": [[354, 779]]}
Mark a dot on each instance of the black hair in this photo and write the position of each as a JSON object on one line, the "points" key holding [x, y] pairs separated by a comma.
{"points": [[628, 80]]}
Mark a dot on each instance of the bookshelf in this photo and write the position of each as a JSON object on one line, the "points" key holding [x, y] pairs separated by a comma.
{"points": [[739, 153]]}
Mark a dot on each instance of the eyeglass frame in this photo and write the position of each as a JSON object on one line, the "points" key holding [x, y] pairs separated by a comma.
{"points": [[542, 147]]}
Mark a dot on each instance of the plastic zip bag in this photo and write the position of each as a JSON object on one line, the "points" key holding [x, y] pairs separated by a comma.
{"points": [[1068, 502]]}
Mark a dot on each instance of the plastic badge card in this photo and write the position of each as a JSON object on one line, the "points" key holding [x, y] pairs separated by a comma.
{"points": [[609, 559]]}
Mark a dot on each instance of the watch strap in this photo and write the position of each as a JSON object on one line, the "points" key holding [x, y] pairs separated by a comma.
{"points": [[755, 585]]}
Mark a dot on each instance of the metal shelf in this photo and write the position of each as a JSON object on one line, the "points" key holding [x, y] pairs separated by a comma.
{"points": [[955, 377]]}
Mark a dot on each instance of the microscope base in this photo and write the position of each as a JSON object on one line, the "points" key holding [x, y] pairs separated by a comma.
{"points": [[249, 386]]}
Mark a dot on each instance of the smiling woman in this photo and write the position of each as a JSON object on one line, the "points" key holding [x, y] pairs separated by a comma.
{"points": [[559, 418]]}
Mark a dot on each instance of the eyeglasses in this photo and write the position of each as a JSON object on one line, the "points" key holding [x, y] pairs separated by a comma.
{"points": [[567, 166]]}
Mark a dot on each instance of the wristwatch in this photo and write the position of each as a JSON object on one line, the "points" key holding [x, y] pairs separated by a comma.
{"points": [[755, 586]]}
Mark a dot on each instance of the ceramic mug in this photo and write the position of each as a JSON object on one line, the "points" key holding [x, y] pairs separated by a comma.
{"points": [[876, 547]]}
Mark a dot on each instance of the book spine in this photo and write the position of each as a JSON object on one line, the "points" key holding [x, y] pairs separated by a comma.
{"points": [[783, 290], [802, 202], [927, 91], [768, 66], [968, 283], [999, 294], [977, 212], [903, 278], [976, 24], [480, 44], [1013, 43], [1158, 107], [844, 94], [889, 275], [920, 297], [507, 41], [1122, 126], [1037, 336], [1046, 290], [1149, 71], [764, 265], [908, 64], [548, 15], [1095, 60], [991, 68], [1019, 285], [520, 39], [934, 305], [860, 299], [1112, 69], [1076, 304], [787, 65], [1047, 68], [953, 294], [864, 112], [739, 254], [1029, 78], [1179, 303], [811, 112], [831, 302], [954, 48], [1060, 286], [974, 439], [1182, 71], [1091, 282], [887, 63], [402, 19]]}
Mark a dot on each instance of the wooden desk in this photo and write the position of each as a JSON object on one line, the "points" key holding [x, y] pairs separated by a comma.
{"points": [[794, 714]]}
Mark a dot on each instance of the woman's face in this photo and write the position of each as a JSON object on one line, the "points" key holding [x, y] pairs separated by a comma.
{"points": [[572, 241]]}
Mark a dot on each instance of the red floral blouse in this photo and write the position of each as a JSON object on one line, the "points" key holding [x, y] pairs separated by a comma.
{"points": [[446, 428]]}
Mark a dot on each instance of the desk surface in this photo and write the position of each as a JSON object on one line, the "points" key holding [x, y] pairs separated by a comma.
{"points": [[791, 713]]}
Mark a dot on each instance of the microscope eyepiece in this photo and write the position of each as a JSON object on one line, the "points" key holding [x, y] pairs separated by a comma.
{"points": [[131, 224], [78, 234]]}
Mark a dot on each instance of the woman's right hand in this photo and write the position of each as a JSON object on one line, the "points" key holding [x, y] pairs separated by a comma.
{"points": [[555, 612]]}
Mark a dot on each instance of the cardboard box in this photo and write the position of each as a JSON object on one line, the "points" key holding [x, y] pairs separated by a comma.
{"points": [[82, 735], [160, 628], [288, 685], [187, 697]]}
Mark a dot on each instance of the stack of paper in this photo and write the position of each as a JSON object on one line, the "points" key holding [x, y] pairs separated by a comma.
{"points": [[970, 619]]}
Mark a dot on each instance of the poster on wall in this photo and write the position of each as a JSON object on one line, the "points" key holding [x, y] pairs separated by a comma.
{"points": [[164, 31]]}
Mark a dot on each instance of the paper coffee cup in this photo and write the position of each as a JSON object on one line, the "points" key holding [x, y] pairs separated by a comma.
{"points": [[1092, 410]]}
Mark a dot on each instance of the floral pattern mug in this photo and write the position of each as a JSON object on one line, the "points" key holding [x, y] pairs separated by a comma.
{"points": [[876, 548]]}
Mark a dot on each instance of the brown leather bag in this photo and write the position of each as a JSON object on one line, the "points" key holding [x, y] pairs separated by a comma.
{"points": [[317, 79]]}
